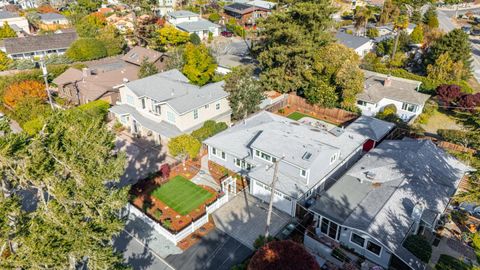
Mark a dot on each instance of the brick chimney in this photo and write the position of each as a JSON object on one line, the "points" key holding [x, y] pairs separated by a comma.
{"points": [[388, 81]]}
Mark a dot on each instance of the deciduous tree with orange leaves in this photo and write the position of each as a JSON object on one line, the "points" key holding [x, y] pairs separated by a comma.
{"points": [[17, 92]]}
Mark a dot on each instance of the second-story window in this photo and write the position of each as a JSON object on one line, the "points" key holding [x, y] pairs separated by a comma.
{"points": [[171, 117], [217, 106], [195, 114], [144, 105], [303, 173]]}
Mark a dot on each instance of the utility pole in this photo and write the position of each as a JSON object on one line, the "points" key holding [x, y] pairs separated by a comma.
{"points": [[45, 78], [272, 194]]}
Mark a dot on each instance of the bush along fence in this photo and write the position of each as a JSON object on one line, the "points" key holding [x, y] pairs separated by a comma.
{"points": [[178, 236]]}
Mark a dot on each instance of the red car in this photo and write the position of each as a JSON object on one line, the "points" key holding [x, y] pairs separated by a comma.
{"points": [[227, 34]]}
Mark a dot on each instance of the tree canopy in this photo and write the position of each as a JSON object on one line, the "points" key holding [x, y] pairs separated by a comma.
{"points": [[199, 65], [6, 31], [245, 92], [89, 26], [183, 146], [69, 165], [86, 49], [290, 38], [147, 68], [17, 92], [170, 36]]}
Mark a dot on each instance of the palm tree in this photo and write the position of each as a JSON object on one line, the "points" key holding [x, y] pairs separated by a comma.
{"points": [[362, 16]]}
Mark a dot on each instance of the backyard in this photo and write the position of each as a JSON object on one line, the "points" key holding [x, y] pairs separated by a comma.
{"points": [[181, 194]]}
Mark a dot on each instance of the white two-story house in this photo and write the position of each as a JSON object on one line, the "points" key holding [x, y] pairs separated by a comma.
{"points": [[165, 105], [308, 157], [382, 90], [192, 23]]}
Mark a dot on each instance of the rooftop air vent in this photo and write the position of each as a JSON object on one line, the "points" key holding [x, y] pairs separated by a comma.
{"points": [[307, 156], [370, 175]]}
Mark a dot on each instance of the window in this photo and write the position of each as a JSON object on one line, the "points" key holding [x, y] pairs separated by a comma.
{"points": [[374, 248], [223, 155], [157, 109], [303, 173], [361, 103], [130, 100], [214, 150], [333, 158], [242, 164], [217, 106], [329, 228], [219, 154], [206, 106], [143, 104], [195, 114], [170, 117], [409, 107], [357, 239]]}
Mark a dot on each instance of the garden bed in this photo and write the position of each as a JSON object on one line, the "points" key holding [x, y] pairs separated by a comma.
{"points": [[176, 206], [220, 173]]}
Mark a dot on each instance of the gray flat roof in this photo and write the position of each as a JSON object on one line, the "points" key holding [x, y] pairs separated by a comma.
{"points": [[371, 127], [51, 16], [351, 41], [402, 174], [280, 136], [195, 26], [182, 14], [7, 15], [173, 88]]}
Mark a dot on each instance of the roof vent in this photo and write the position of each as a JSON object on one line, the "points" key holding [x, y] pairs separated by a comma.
{"points": [[370, 175], [125, 80], [307, 156], [388, 81]]}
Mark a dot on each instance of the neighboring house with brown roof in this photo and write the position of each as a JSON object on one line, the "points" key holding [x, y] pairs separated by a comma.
{"points": [[39, 46], [137, 54], [122, 23], [382, 90], [102, 78]]}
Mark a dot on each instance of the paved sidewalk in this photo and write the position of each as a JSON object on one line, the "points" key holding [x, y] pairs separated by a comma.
{"points": [[203, 177]]}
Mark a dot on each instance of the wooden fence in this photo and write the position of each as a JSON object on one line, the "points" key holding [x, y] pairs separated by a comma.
{"points": [[455, 147], [295, 103]]}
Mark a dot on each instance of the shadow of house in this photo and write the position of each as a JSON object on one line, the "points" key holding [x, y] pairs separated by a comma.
{"points": [[398, 189]]}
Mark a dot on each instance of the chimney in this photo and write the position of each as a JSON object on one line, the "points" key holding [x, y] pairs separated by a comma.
{"points": [[85, 73], [388, 81]]}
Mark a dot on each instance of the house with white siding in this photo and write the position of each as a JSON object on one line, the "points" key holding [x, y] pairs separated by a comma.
{"points": [[192, 23], [400, 188], [382, 90], [165, 105], [307, 156]]}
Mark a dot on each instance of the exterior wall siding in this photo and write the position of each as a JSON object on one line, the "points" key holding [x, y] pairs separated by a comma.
{"points": [[373, 109]]}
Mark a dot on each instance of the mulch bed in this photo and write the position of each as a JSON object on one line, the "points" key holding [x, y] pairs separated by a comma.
{"points": [[219, 173], [191, 168], [142, 199], [194, 237]]}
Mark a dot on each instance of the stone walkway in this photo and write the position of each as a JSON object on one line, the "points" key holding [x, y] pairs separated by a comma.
{"points": [[203, 177]]}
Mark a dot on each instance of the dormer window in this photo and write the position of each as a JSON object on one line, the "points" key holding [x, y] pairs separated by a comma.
{"points": [[303, 173]]}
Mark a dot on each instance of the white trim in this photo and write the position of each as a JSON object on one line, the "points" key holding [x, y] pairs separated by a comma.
{"points": [[364, 240], [381, 248]]}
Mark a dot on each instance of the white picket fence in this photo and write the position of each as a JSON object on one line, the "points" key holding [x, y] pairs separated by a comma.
{"points": [[177, 237]]}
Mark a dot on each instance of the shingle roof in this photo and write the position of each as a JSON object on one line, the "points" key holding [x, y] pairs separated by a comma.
{"points": [[137, 54], [8, 15], [402, 90], [195, 26], [240, 8], [351, 41], [182, 14], [39, 43], [173, 88], [51, 16], [402, 173]]}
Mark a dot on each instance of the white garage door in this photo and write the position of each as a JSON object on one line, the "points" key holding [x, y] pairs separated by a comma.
{"points": [[262, 192]]}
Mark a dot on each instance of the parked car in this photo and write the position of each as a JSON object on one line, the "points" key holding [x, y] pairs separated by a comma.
{"points": [[467, 29], [287, 230], [227, 34], [475, 32], [471, 208]]}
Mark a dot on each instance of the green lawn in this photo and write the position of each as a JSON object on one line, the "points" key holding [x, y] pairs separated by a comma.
{"points": [[298, 115], [446, 262], [181, 195]]}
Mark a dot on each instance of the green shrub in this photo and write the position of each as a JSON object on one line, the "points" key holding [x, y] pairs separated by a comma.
{"points": [[95, 108], [167, 223], [446, 262], [476, 245], [157, 213], [195, 39], [419, 246], [85, 49], [372, 32], [33, 126], [214, 17], [209, 129], [261, 241]]}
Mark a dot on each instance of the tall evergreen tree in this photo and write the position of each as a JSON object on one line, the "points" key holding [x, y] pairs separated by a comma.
{"points": [[70, 164], [290, 38]]}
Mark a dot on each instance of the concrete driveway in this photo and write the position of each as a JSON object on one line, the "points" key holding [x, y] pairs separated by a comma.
{"points": [[244, 218], [143, 157]]}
